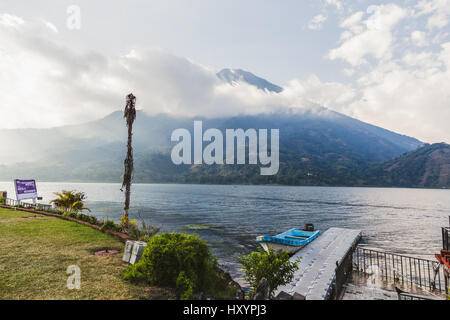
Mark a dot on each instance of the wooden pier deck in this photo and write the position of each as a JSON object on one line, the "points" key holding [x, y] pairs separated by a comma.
{"points": [[316, 275]]}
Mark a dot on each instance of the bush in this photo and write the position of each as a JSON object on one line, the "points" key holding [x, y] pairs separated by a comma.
{"points": [[276, 267], [2, 200], [179, 261], [70, 215], [111, 226], [87, 218]]}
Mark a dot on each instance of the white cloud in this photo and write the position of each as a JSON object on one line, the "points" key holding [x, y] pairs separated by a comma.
{"points": [[316, 23], [338, 4], [43, 83], [437, 10], [419, 38], [371, 37]]}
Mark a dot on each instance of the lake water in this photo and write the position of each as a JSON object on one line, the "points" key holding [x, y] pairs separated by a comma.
{"points": [[404, 221]]}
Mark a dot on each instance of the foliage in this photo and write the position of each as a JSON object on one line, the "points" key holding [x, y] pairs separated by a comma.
{"points": [[111, 226], [87, 218], [143, 232], [179, 261], [70, 201], [125, 222], [276, 267], [70, 214], [2, 200]]}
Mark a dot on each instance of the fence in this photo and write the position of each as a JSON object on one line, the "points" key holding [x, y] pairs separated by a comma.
{"points": [[37, 206], [409, 296], [446, 238], [427, 274], [343, 271], [47, 207]]}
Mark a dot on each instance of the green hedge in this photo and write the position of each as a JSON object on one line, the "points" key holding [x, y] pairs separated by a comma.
{"points": [[111, 226], [179, 261]]}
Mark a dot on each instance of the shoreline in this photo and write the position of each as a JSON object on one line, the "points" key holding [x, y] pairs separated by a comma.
{"points": [[245, 185]]}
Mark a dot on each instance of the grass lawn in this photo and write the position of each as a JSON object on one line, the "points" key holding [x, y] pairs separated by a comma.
{"points": [[35, 251]]}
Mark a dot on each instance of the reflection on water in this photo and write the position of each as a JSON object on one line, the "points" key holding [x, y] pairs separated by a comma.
{"points": [[405, 221]]}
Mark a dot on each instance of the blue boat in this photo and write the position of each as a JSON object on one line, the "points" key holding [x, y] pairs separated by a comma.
{"points": [[291, 240]]}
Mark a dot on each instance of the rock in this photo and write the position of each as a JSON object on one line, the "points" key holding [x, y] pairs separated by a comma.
{"points": [[286, 296], [298, 296], [283, 296], [262, 291], [240, 294], [199, 296]]}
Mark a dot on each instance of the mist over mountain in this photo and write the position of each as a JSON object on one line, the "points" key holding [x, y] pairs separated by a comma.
{"points": [[317, 147], [233, 76]]}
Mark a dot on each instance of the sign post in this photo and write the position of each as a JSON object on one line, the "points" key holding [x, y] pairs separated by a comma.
{"points": [[26, 189]]}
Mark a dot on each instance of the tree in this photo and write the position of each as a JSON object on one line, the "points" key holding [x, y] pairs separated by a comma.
{"points": [[275, 267], [130, 116], [70, 201]]}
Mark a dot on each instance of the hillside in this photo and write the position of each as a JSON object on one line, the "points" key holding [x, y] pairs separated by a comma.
{"points": [[324, 148], [427, 167], [317, 147]]}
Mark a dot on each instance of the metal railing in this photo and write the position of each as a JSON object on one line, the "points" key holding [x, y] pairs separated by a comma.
{"points": [[427, 274], [402, 295], [446, 238]]}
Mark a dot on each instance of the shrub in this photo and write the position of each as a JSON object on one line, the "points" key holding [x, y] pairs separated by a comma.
{"points": [[55, 211], [276, 267], [2, 200], [70, 215], [179, 261], [111, 226], [87, 218]]}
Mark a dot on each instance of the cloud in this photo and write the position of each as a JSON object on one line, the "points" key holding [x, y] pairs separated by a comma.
{"points": [[336, 3], [398, 86], [419, 38], [371, 37], [43, 83], [409, 99], [438, 12], [316, 23]]}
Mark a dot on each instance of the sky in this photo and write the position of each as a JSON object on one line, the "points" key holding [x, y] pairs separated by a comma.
{"points": [[382, 62]]}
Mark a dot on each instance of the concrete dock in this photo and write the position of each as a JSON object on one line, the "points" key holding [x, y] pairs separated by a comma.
{"points": [[316, 275]]}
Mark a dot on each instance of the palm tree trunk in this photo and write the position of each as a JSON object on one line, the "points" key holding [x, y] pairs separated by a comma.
{"points": [[130, 115]]}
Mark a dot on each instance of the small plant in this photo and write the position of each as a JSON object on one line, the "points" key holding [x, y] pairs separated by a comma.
{"points": [[144, 232], [87, 218], [111, 226], [276, 267], [70, 201], [125, 222], [70, 214]]}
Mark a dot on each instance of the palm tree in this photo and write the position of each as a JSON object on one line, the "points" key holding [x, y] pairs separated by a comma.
{"points": [[70, 201], [130, 116]]}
